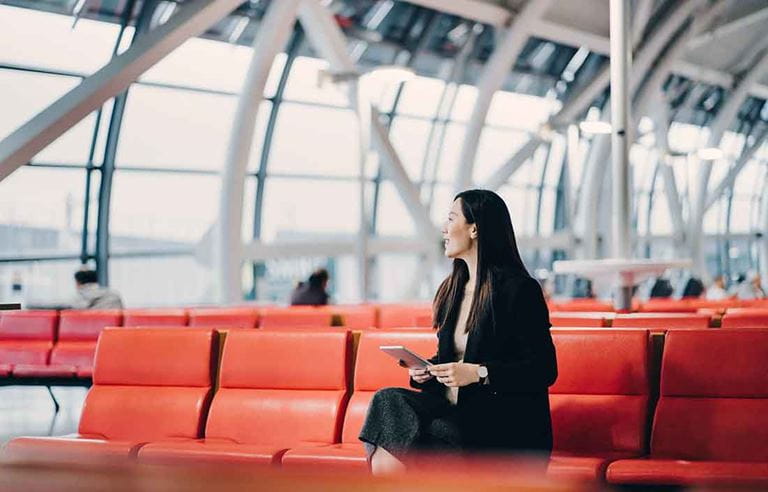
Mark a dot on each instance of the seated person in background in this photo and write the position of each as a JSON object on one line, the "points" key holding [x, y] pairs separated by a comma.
{"points": [[312, 292], [716, 291], [91, 295], [751, 288], [661, 288], [693, 288]]}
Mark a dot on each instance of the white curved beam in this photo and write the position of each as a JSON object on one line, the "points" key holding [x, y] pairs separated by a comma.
{"points": [[733, 173], [494, 73], [270, 39]]}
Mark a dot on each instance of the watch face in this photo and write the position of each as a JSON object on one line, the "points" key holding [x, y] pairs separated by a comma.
{"points": [[482, 371]]}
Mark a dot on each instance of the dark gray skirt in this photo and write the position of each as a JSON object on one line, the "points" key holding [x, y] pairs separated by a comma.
{"points": [[401, 420]]}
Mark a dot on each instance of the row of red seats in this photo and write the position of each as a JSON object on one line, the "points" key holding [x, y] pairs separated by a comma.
{"points": [[658, 305], [49, 344], [733, 318], [283, 398]]}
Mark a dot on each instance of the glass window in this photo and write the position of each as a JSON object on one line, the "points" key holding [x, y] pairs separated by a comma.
{"points": [[41, 211], [308, 209], [315, 140], [43, 39], [519, 111], [154, 211], [210, 64], [39, 283], [393, 218], [421, 97], [495, 149], [464, 103], [409, 137], [450, 152], [24, 94], [160, 281], [394, 275], [308, 83], [165, 128], [522, 208]]}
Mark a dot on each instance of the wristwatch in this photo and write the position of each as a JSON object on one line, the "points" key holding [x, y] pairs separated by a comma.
{"points": [[482, 373]]}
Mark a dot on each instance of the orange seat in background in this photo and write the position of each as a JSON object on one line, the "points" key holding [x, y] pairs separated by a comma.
{"points": [[405, 315], [662, 320], [277, 389], [590, 305], [149, 384], [745, 318], [373, 370], [567, 319], [711, 422], [224, 317], [26, 339], [76, 346], [600, 400], [665, 305], [155, 317], [295, 317], [356, 317]]}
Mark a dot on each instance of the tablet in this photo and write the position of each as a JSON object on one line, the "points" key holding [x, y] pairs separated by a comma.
{"points": [[411, 360]]}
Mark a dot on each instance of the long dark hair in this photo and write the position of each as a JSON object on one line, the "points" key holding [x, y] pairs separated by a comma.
{"points": [[496, 253]]}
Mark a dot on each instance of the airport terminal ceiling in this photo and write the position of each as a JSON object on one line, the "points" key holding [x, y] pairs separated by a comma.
{"points": [[164, 151]]}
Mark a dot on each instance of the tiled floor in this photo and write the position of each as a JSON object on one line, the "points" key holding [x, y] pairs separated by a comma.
{"points": [[28, 411]]}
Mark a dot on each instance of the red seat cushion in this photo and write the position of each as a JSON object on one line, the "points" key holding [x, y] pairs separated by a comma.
{"points": [[661, 320], [343, 455], [86, 325], [211, 451], [25, 352], [224, 318], [680, 472], [73, 448], [39, 371], [580, 468], [78, 354]]}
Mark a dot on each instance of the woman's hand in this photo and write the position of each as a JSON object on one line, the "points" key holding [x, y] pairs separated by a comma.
{"points": [[455, 374], [419, 375]]}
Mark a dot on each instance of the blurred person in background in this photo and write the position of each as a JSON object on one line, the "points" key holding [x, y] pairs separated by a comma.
{"points": [[312, 292], [91, 295], [717, 291]]}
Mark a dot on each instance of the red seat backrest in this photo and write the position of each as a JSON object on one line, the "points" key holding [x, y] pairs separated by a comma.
{"points": [[404, 315], [295, 317], [356, 317], [745, 318], [155, 317], [580, 319], [224, 317], [714, 396], [667, 306], [86, 325], [28, 325], [599, 403], [375, 370], [150, 384], [661, 320], [281, 387], [591, 305]]}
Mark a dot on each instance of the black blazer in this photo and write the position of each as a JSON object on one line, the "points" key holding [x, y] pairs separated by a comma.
{"points": [[511, 412]]}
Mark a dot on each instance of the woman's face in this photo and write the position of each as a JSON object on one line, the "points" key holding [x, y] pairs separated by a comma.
{"points": [[459, 236]]}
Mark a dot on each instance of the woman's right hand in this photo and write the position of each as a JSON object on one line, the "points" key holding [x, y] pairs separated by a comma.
{"points": [[420, 375]]}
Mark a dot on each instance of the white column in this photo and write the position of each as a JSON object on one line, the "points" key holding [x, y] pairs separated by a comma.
{"points": [[275, 28]]}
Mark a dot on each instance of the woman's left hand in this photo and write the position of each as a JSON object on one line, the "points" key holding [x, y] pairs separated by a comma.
{"points": [[455, 374]]}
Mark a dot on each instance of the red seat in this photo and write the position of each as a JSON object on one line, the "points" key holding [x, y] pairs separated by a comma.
{"points": [[149, 384], [78, 332], [26, 339], [277, 389], [580, 319], [661, 320], [668, 306], [224, 318], [590, 305], [295, 317], [356, 317], [711, 422], [373, 370], [745, 318], [405, 315], [155, 317], [600, 401]]}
